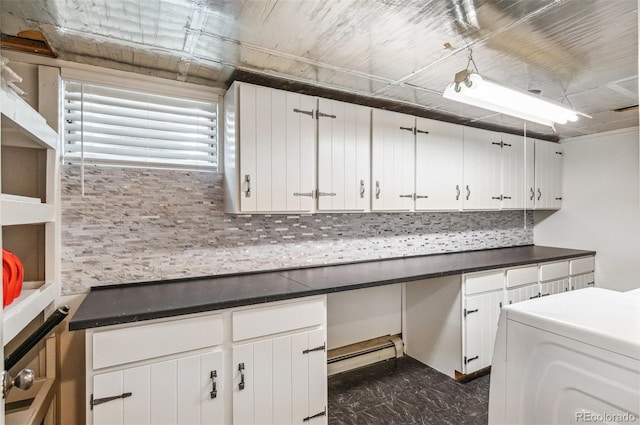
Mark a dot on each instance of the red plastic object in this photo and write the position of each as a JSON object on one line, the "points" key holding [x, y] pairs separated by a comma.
{"points": [[12, 277]]}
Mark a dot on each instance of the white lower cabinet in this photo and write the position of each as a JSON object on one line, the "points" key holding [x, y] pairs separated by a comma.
{"points": [[522, 293], [280, 363], [554, 278], [246, 365], [581, 273], [484, 297], [179, 391], [281, 380], [450, 322], [522, 284], [157, 372]]}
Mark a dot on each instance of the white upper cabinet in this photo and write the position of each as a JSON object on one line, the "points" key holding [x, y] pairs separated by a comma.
{"points": [[481, 169], [291, 153], [344, 156], [513, 172], [529, 175], [270, 138], [438, 184], [548, 175], [393, 161]]}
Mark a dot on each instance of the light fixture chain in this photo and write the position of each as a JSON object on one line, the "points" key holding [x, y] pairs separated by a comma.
{"points": [[564, 93], [471, 61]]}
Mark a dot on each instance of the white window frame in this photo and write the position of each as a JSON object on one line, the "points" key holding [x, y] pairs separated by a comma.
{"points": [[105, 125]]}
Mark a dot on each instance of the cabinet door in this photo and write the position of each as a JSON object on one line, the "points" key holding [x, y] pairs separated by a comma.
{"points": [[523, 293], [556, 176], [480, 324], [548, 175], [554, 287], [513, 172], [174, 391], [581, 281], [438, 165], [284, 379], [344, 134], [393, 161], [277, 142], [481, 169], [529, 173]]}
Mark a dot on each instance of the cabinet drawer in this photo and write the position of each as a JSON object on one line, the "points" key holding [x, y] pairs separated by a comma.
{"points": [[483, 282], [552, 271], [142, 342], [522, 276], [582, 265], [257, 322]]}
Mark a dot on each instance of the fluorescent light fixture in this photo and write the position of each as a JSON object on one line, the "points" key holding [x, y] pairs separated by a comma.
{"points": [[473, 89]]}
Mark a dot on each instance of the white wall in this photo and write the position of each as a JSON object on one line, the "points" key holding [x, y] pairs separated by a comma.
{"points": [[600, 206]]}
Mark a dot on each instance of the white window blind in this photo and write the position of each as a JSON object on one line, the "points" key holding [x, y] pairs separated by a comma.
{"points": [[110, 126]]}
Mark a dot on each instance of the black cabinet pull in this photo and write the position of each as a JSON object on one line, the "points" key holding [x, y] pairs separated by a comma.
{"points": [[300, 111], [468, 360], [320, 348], [467, 312], [97, 401], [241, 369], [317, 415], [322, 114], [214, 391]]}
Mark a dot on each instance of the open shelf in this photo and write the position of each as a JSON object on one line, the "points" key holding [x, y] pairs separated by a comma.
{"points": [[30, 407], [26, 307], [19, 116], [24, 210]]}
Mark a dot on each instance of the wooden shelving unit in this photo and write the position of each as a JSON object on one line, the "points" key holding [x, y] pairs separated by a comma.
{"points": [[29, 217], [24, 127]]}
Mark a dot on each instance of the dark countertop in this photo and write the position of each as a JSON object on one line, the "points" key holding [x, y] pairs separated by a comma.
{"points": [[110, 305]]}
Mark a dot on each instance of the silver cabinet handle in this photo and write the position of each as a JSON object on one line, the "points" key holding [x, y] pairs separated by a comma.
{"points": [[539, 194], [407, 196], [468, 192], [247, 182], [326, 194], [214, 391], [422, 196], [533, 194], [362, 188], [310, 194], [241, 370], [378, 190], [457, 192]]}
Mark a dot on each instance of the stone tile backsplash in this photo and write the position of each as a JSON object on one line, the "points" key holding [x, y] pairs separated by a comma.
{"points": [[139, 225]]}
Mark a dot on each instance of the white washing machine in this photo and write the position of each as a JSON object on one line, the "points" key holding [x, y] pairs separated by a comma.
{"points": [[571, 358]]}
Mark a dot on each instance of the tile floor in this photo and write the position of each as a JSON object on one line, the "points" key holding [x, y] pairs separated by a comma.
{"points": [[404, 391]]}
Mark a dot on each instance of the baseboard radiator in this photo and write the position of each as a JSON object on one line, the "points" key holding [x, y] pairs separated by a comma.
{"points": [[364, 353]]}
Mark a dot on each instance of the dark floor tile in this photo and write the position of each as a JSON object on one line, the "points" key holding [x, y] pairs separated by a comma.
{"points": [[404, 391]]}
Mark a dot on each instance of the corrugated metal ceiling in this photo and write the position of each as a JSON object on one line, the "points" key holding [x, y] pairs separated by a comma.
{"points": [[582, 52]]}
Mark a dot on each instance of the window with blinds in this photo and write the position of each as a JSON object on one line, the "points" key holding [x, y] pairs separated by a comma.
{"points": [[109, 126]]}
